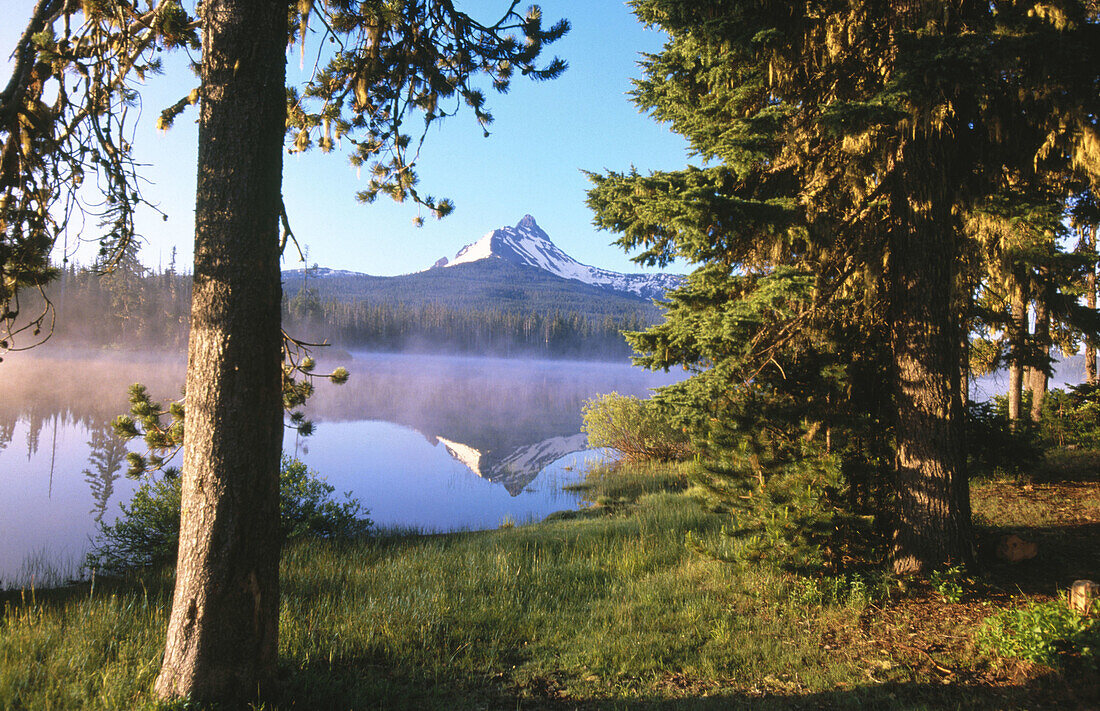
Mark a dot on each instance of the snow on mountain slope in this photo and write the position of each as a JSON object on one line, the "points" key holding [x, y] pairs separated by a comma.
{"points": [[527, 244], [316, 272]]}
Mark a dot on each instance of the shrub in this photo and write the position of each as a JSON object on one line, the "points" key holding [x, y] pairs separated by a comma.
{"points": [[1072, 417], [147, 532], [633, 428], [783, 510], [307, 507], [993, 446], [1042, 632], [950, 583]]}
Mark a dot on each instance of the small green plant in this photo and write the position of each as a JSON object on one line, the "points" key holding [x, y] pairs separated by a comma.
{"points": [[780, 510], [1043, 632], [148, 530], [851, 590], [950, 583], [635, 429]]}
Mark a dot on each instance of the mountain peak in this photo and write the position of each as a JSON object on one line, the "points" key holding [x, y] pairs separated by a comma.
{"points": [[527, 244]]}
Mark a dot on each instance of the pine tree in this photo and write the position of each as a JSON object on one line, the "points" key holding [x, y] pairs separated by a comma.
{"points": [[123, 277], [391, 59], [1021, 270], [845, 144], [1085, 218]]}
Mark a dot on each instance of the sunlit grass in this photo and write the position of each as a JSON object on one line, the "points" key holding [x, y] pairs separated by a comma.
{"points": [[626, 483], [593, 607], [1063, 484], [82, 646], [609, 604]]}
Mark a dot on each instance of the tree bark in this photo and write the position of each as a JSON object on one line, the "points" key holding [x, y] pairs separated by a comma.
{"points": [[1017, 336], [1090, 301], [1038, 384], [932, 516], [964, 372], [222, 637]]}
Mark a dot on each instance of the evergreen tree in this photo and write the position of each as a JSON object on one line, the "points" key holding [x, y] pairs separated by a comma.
{"points": [[391, 59], [845, 144], [1019, 267], [123, 279], [1085, 217]]}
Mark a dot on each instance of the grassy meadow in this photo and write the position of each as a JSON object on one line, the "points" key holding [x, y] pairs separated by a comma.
{"points": [[605, 607]]}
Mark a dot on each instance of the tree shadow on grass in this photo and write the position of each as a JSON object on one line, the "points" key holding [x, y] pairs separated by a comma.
{"points": [[1057, 507], [1065, 553], [356, 684]]}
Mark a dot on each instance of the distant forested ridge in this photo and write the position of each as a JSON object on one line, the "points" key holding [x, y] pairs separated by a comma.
{"points": [[128, 307], [497, 309], [476, 286]]}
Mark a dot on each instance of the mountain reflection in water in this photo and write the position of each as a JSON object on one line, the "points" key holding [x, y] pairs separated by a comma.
{"points": [[505, 421]]}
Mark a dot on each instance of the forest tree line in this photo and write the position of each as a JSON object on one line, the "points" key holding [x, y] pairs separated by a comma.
{"points": [[135, 307]]}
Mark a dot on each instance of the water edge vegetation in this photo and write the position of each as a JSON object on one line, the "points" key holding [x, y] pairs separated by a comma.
{"points": [[596, 608]]}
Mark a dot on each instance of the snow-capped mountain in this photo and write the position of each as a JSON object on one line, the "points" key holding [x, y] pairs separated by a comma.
{"points": [[527, 244]]}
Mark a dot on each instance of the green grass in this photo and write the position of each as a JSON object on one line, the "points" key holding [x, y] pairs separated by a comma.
{"points": [[602, 608], [81, 647], [626, 483]]}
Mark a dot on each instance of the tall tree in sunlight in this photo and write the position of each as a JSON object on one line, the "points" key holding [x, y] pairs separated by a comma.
{"points": [[1085, 218], [389, 60], [845, 144]]}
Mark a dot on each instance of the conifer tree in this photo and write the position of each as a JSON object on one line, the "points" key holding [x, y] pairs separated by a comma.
{"points": [[1085, 218], [124, 282], [845, 143], [1021, 271], [391, 60]]}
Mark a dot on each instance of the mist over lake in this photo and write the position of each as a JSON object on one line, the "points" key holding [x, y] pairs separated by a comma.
{"points": [[437, 443]]}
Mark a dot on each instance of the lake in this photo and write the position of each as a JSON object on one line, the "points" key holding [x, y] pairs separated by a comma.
{"points": [[435, 443]]}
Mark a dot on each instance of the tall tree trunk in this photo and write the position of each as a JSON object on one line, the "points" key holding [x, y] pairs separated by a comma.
{"points": [[223, 632], [1017, 336], [964, 371], [932, 520], [1089, 233], [1038, 384]]}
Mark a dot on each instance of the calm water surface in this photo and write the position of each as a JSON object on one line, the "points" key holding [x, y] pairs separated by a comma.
{"points": [[432, 442]]}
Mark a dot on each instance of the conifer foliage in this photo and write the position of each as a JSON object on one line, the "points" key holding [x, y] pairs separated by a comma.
{"points": [[845, 143], [67, 115], [391, 62]]}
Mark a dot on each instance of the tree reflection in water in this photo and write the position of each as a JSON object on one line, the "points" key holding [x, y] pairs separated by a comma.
{"points": [[104, 465]]}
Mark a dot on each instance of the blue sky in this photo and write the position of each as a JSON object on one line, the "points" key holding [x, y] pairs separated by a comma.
{"points": [[544, 135]]}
